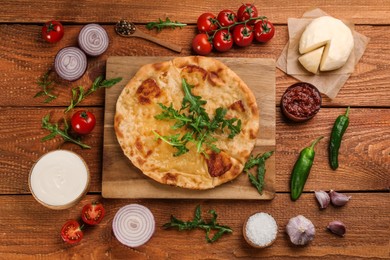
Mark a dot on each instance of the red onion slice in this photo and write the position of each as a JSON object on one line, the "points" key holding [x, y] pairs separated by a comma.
{"points": [[70, 63], [93, 39], [133, 225]]}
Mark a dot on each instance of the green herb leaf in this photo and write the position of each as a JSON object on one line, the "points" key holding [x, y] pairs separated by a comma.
{"points": [[193, 116], [164, 24], [45, 84], [56, 130], [259, 161], [79, 94], [199, 223]]}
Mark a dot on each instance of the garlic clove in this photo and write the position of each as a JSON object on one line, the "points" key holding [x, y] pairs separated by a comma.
{"points": [[338, 199], [300, 230], [337, 227], [322, 198]]}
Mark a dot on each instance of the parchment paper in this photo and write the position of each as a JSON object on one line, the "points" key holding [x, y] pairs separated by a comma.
{"points": [[330, 82]]}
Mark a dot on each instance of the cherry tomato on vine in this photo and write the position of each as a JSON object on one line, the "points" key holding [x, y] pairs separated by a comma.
{"points": [[52, 31], [93, 213], [226, 18], [207, 22], [247, 11], [223, 40], [83, 122], [264, 31], [201, 44], [71, 232], [243, 35]]}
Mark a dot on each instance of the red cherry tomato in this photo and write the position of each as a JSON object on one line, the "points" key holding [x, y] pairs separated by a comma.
{"points": [[264, 31], [93, 213], [71, 232], [243, 35], [247, 11], [201, 44], [226, 18], [83, 122], [223, 40], [207, 22], [52, 31]]}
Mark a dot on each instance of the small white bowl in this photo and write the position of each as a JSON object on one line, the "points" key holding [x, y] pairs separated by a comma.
{"points": [[59, 179], [260, 226]]}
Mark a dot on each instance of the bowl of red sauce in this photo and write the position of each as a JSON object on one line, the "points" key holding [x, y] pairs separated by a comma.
{"points": [[301, 102]]}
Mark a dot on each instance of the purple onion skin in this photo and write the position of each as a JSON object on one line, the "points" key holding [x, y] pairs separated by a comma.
{"points": [[70, 63], [93, 39]]}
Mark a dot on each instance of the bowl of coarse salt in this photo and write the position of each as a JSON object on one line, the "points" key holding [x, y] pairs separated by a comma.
{"points": [[260, 230]]}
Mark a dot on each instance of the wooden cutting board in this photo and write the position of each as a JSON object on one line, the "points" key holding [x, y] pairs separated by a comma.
{"points": [[122, 180]]}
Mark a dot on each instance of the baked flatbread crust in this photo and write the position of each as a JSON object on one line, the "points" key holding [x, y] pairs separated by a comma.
{"points": [[162, 83]]}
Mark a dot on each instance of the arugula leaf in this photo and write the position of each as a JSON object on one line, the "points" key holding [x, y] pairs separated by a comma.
{"points": [[79, 94], [45, 84], [193, 116], [198, 222], [164, 24], [56, 130], [259, 161]]}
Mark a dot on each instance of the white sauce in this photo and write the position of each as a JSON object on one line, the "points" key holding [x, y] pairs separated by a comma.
{"points": [[59, 178]]}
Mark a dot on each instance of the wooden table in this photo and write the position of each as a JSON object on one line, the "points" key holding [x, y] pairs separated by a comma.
{"points": [[29, 230]]}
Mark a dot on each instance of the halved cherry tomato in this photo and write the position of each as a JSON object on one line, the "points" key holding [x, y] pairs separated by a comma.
{"points": [[201, 44], [52, 31], [207, 22], [243, 35], [71, 232], [223, 40], [264, 31], [226, 18], [93, 213], [247, 11], [83, 122]]}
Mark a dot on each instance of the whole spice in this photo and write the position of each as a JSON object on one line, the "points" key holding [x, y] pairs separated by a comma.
{"points": [[260, 230], [322, 198], [337, 227], [198, 222], [338, 131], [259, 161], [301, 170], [338, 199], [300, 230]]}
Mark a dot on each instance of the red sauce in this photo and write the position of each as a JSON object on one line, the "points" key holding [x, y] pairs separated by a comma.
{"points": [[301, 101]]}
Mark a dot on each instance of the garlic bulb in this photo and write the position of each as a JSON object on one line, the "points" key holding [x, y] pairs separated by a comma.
{"points": [[300, 230], [322, 198], [338, 199]]}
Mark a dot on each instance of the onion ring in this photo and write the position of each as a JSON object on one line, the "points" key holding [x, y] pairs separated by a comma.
{"points": [[93, 39], [70, 63], [133, 225]]}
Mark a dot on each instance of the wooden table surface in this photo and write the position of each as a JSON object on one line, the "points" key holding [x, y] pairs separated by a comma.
{"points": [[29, 230]]}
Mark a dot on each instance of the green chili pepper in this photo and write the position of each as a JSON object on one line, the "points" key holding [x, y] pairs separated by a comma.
{"points": [[339, 127], [301, 169]]}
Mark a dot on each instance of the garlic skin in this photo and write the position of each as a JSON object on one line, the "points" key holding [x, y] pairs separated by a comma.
{"points": [[337, 227], [338, 199], [322, 198], [300, 230]]}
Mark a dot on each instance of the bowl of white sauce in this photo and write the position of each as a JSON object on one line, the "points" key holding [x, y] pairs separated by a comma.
{"points": [[59, 179]]}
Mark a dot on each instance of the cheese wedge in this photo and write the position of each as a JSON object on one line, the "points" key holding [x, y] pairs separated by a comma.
{"points": [[334, 35], [311, 60]]}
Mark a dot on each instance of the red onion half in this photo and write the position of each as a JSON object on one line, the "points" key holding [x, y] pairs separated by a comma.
{"points": [[70, 63], [133, 225], [93, 39]]}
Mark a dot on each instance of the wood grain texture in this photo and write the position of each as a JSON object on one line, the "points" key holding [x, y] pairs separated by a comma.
{"points": [[24, 57], [22, 230], [120, 179], [364, 154], [20, 11]]}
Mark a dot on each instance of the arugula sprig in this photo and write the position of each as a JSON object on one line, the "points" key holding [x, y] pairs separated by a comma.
{"points": [[161, 24], [259, 161], [56, 130], [199, 223], [79, 94], [193, 117], [47, 89]]}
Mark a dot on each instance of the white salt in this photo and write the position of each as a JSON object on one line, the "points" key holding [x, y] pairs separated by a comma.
{"points": [[261, 229]]}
